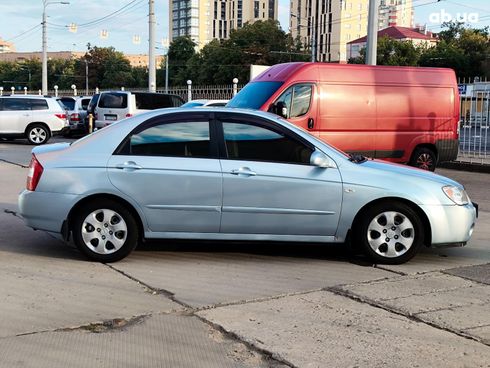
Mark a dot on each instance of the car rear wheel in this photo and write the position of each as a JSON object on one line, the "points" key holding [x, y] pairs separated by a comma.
{"points": [[105, 231], [37, 134], [424, 158], [389, 233]]}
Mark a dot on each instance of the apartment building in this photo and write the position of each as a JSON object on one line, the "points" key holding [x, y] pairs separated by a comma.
{"points": [[6, 46], [326, 26], [205, 20]]}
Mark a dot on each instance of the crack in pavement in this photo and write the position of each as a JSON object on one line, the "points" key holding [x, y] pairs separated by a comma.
{"points": [[363, 300], [14, 163]]}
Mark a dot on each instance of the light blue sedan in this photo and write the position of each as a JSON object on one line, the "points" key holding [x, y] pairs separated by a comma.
{"points": [[233, 174]]}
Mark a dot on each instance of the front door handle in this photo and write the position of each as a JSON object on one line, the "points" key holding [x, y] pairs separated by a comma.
{"points": [[311, 123], [243, 171], [129, 166]]}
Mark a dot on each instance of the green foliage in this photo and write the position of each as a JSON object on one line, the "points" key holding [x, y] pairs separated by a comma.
{"points": [[181, 50], [463, 49]]}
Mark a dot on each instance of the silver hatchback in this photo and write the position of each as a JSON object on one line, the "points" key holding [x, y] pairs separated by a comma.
{"points": [[233, 174]]}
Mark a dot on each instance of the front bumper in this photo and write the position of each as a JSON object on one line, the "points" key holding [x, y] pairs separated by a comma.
{"points": [[451, 224]]}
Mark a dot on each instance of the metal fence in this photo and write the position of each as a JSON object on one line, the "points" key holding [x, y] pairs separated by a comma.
{"points": [[474, 145]]}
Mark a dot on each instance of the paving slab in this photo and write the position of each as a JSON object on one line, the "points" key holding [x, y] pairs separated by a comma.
{"points": [[159, 341], [446, 301], [479, 273], [203, 278], [47, 285], [322, 329]]}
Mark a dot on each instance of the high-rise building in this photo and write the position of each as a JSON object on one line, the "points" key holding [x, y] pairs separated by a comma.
{"points": [[326, 26], [204, 20], [6, 46]]}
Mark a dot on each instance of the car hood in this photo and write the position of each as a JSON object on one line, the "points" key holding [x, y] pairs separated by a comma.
{"points": [[401, 171]]}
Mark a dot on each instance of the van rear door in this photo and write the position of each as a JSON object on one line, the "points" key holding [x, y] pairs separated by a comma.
{"points": [[113, 106]]}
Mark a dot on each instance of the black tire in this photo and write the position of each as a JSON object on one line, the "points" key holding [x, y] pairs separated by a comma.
{"points": [[38, 134], [389, 233], [108, 243], [424, 158]]}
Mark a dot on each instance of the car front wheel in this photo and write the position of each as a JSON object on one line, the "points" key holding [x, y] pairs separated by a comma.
{"points": [[390, 233], [105, 231], [37, 134]]}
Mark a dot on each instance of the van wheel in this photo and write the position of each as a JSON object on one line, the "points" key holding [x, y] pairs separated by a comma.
{"points": [[105, 231], [424, 158], [37, 134], [389, 233]]}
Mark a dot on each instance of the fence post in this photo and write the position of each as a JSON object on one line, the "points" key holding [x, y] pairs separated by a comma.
{"points": [[13, 90], [235, 86], [40, 93], [189, 90], [74, 88], [122, 88], [1, 91], [25, 90], [96, 90], [55, 91]]}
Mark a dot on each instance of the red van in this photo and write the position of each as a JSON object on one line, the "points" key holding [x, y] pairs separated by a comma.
{"points": [[401, 114]]}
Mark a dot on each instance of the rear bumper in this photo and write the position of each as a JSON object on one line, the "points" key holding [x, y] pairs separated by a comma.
{"points": [[33, 207], [447, 149]]}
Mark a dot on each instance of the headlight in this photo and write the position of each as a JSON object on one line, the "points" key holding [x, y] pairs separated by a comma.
{"points": [[457, 195]]}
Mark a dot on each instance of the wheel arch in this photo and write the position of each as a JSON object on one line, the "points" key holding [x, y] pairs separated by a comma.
{"points": [[412, 205], [429, 146], [95, 197], [38, 123]]}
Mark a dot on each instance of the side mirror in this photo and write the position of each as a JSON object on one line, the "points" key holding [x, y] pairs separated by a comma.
{"points": [[279, 108], [319, 159]]}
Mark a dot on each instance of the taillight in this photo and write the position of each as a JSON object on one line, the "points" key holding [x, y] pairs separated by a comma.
{"points": [[35, 172], [75, 117], [61, 116], [129, 115]]}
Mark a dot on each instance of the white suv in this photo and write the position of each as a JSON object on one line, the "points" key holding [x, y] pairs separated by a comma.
{"points": [[36, 118]]}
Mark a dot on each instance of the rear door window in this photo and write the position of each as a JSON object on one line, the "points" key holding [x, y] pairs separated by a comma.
{"points": [[68, 103], [113, 100], [84, 103], [152, 101]]}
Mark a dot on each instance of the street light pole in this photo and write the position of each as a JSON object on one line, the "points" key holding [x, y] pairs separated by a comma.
{"points": [[45, 45], [372, 37], [152, 75], [313, 37], [86, 77]]}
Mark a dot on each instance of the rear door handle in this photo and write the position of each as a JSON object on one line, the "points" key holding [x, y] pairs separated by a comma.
{"points": [[129, 166], [243, 171]]}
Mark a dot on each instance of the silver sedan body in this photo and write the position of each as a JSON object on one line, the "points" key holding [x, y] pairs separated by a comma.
{"points": [[323, 197]]}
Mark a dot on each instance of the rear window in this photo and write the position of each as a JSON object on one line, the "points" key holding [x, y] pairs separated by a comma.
{"points": [[85, 102], [152, 101], [68, 103], [113, 100]]}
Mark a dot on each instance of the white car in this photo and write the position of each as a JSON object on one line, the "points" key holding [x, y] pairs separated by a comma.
{"points": [[36, 118], [205, 103]]}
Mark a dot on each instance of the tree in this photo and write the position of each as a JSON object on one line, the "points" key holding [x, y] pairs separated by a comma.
{"points": [[392, 52], [180, 51]]}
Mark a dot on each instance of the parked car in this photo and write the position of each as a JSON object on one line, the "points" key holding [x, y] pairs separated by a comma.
{"points": [[205, 103], [114, 106], [36, 118], [234, 175], [76, 111], [400, 114]]}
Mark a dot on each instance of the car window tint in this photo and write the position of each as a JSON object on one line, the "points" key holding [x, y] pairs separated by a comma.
{"points": [[39, 104], [182, 139], [16, 104], [245, 141], [301, 100], [84, 103], [113, 100], [68, 103]]}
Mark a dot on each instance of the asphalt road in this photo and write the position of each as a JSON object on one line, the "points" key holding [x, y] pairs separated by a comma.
{"points": [[213, 304]]}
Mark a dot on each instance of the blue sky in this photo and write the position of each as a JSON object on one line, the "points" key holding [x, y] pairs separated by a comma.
{"points": [[130, 23]]}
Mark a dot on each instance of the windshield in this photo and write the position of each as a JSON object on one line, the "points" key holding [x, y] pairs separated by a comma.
{"points": [[254, 95]]}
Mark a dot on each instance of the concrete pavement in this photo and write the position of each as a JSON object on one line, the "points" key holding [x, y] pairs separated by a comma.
{"points": [[199, 304]]}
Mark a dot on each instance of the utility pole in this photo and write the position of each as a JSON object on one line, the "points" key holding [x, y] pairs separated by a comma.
{"points": [[44, 83], [372, 40], [86, 77], [152, 75]]}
